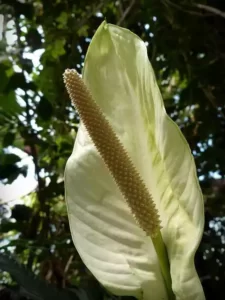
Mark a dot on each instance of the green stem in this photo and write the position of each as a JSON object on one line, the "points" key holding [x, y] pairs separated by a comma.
{"points": [[164, 263]]}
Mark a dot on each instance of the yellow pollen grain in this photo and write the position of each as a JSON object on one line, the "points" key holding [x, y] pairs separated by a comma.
{"points": [[114, 155]]}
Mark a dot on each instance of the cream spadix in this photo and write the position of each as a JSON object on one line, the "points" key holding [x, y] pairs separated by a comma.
{"points": [[112, 244], [114, 155]]}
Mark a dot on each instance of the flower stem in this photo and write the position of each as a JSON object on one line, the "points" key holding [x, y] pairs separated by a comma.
{"points": [[164, 263]]}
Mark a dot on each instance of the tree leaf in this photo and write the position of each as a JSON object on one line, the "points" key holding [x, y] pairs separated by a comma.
{"points": [[8, 139], [36, 288], [9, 104], [21, 212], [44, 109], [9, 170]]}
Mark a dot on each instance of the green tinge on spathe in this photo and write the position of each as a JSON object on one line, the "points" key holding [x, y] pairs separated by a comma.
{"points": [[119, 254]]}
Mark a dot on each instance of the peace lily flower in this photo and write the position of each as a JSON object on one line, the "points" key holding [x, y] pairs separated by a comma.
{"points": [[134, 203]]}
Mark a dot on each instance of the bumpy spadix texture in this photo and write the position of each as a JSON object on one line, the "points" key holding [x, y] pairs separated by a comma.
{"points": [[114, 155], [111, 243]]}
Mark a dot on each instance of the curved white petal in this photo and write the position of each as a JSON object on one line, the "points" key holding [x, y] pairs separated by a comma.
{"points": [[113, 247], [105, 233]]}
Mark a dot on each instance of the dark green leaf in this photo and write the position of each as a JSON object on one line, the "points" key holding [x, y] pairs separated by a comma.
{"points": [[9, 104], [21, 212], [8, 139], [9, 169], [44, 109], [34, 287]]}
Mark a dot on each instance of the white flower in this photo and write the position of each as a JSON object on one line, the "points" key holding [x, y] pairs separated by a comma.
{"points": [[125, 122]]}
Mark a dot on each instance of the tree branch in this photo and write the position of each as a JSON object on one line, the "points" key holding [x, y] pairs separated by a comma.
{"points": [[91, 11], [181, 8], [211, 9], [120, 7], [209, 95], [126, 12]]}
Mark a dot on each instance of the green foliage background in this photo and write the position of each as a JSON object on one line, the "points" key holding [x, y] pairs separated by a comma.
{"points": [[186, 47]]}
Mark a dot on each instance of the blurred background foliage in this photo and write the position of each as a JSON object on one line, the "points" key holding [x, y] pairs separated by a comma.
{"points": [[38, 125]]}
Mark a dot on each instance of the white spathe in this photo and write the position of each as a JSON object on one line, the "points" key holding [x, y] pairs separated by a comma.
{"points": [[118, 253]]}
